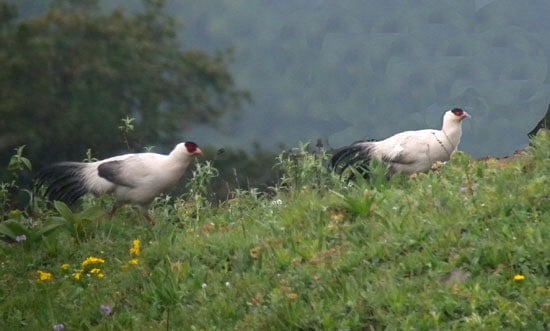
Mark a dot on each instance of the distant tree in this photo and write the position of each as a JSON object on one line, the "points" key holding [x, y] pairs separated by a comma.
{"points": [[68, 78]]}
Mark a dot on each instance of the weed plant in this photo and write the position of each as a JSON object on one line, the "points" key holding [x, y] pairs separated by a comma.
{"points": [[464, 247]]}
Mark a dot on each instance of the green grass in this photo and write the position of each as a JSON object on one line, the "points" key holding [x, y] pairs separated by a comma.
{"points": [[438, 251]]}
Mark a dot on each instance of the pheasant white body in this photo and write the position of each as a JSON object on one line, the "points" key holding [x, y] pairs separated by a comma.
{"points": [[406, 152], [131, 178]]}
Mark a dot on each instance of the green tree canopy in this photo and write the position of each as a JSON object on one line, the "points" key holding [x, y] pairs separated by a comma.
{"points": [[68, 77]]}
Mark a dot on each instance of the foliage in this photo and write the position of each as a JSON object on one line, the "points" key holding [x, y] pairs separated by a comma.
{"points": [[461, 248], [78, 64], [18, 162], [18, 166], [301, 168], [199, 189]]}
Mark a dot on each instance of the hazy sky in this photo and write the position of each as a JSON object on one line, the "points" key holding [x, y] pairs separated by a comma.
{"points": [[352, 70], [360, 69]]}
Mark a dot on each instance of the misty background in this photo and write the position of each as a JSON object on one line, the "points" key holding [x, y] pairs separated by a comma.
{"points": [[350, 70]]}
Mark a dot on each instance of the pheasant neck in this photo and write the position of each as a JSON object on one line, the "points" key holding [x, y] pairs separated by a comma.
{"points": [[443, 144]]}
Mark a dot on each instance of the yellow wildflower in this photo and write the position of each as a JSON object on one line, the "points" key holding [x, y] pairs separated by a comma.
{"points": [[44, 276], [136, 248], [65, 267], [97, 272], [519, 278], [133, 262], [77, 275], [92, 261]]}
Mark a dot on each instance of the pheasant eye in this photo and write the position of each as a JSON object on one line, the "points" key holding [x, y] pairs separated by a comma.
{"points": [[191, 147], [457, 111]]}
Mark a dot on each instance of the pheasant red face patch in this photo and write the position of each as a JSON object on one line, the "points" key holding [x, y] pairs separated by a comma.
{"points": [[460, 113], [457, 111], [192, 148]]}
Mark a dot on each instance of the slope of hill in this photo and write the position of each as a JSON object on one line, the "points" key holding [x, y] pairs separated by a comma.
{"points": [[463, 247]]}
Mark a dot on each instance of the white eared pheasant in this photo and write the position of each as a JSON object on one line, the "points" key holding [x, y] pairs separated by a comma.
{"points": [[131, 178], [406, 152]]}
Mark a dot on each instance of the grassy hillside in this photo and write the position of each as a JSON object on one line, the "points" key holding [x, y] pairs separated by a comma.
{"points": [[464, 247]]}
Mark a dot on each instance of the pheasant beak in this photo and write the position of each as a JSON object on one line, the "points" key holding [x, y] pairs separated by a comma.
{"points": [[197, 152], [465, 115]]}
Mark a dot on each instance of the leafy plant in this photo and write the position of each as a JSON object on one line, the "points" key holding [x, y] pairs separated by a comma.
{"points": [[10, 191], [165, 291], [301, 168], [198, 190], [71, 222], [18, 163], [126, 128], [361, 205]]}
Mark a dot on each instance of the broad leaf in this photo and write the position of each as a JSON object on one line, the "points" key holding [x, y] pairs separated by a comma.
{"points": [[64, 211], [12, 229], [50, 227]]}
